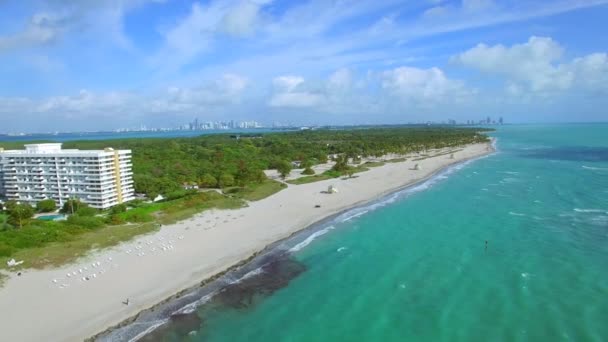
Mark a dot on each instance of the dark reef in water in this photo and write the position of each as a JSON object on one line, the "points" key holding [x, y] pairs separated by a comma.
{"points": [[179, 325], [575, 153], [277, 270], [276, 273]]}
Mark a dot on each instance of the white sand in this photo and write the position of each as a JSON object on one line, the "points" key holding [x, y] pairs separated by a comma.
{"points": [[35, 308]]}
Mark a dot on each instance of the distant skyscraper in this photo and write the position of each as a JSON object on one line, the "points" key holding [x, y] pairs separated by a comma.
{"points": [[500, 120], [488, 120]]}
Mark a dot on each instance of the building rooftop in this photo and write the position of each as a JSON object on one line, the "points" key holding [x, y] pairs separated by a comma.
{"points": [[55, 149]]}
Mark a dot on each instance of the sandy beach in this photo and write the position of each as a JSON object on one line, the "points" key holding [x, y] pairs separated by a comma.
{"points": [[80, 300]]}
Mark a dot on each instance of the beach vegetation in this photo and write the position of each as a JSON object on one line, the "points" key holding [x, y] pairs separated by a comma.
{"points": [[46, 206], [71, 206], [226, 180], [308, 171], [45, 243], [19, 214], [208, 181], [284, 168], [161, 166]]}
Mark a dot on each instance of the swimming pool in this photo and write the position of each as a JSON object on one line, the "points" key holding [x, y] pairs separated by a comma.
{"points": [[54, 217]]}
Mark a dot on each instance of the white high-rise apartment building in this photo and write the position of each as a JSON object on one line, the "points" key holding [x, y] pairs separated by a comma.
{"points": [[100, 178]]}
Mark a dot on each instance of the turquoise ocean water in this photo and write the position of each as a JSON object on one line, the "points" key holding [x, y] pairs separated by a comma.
{"points": [[415, 267]]}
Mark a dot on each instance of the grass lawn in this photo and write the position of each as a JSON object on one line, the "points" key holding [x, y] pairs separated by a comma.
{"points": [[372, 164], [68, 244], [311, 179], [182, 209], [396, 160], [255, 192], [59, 253]]}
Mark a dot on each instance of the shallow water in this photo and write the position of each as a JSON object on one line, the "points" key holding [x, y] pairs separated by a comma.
{"points": [[416, 267]]}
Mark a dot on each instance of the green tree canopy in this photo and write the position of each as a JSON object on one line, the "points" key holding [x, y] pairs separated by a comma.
{"points": [[208, 181], [46, 206], [117, 209], [226, 180], [284, 168], [71, 206], [308, 171], [19, 214]]}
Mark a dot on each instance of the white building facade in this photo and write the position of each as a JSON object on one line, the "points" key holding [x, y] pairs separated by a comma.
{"points": [[100, 178]]}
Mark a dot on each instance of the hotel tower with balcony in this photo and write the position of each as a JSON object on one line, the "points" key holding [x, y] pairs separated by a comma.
{"points": [[100, 178]]}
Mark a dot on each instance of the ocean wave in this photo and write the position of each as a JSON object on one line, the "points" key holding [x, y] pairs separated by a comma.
{"points": [[310, 239], [250, 274], [353, 215], [595, 168], [190, 308], [516, 214], [601, 220], [149, 329], [590, 210]]}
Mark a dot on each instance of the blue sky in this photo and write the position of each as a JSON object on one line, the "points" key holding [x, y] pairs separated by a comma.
{"points": [[94, 65]]}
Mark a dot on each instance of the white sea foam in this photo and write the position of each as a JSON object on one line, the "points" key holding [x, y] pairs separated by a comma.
{"points": [[310, 239], [250, 274], [590, 210], [354, 215], [595, 168], [516, 214], [149, 330], [190, 308], [341, 249]]}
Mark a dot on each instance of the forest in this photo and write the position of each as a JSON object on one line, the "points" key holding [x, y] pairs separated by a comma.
{"points": [[162, 166]]}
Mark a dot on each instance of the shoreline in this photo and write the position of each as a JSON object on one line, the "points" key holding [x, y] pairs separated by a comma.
{"points": [[240, 256], [242, 266]]}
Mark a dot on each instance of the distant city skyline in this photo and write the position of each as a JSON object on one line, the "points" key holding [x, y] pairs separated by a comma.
{"points": [[199, 125], [103, 65]]}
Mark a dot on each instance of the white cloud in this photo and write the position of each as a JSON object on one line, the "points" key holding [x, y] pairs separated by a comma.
{"points": [[296, 100], [341, 79], [423, 86], [90, 107], [477, 5], [287, 83], [341, 92], [591, 71], [42, 28], [191, 36], [287, 93], [535, 66], [86, 103], [241, 21], [195, 33]]}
